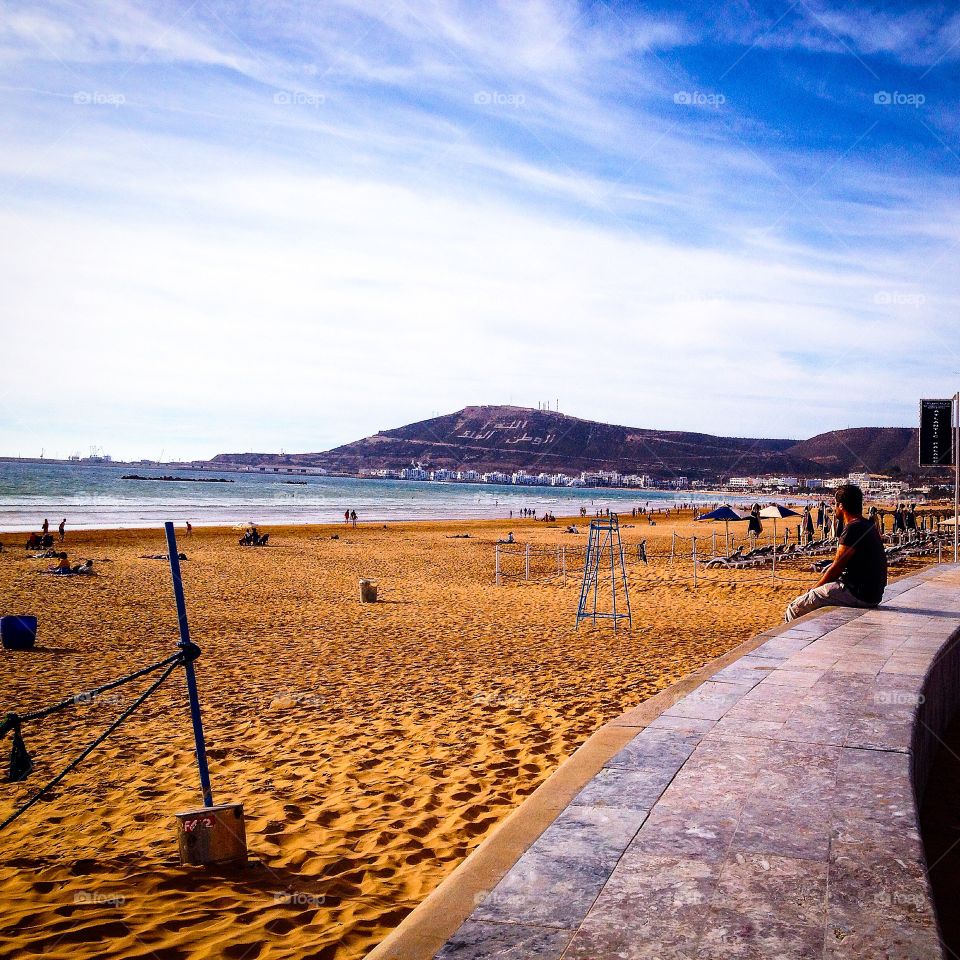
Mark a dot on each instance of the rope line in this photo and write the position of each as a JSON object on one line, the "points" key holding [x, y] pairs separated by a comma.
{"points": [[171, 662], [88, 695]]}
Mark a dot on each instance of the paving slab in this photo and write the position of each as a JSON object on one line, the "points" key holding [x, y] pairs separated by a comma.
{"points": [[771, 812]]}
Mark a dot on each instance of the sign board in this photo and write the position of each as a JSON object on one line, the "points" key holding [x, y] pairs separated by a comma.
{"points": [[936, 433]]}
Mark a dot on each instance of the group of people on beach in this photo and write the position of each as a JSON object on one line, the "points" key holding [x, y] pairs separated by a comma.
{"points": [[63, 567], [44, 539], [253, 538], [350, 517]]}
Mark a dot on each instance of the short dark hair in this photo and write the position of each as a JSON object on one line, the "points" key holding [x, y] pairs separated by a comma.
{"points": [[850, 497]]}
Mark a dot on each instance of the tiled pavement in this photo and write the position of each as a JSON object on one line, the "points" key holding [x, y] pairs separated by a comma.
{"points": [[768, 814]]}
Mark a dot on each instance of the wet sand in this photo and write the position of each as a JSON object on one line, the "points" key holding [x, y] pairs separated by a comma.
{"points": [[372, 745]]}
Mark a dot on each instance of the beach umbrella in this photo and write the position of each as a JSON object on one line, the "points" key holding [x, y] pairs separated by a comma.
{"points": [[726, 513], [775, 511]]}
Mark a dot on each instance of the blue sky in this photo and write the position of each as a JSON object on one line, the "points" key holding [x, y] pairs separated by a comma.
{"points": [[274, 226]]}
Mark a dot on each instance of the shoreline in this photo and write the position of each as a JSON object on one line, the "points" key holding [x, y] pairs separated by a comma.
{"points": [[658, 507]]}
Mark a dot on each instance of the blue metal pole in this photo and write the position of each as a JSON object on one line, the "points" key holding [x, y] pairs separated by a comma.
{"points": [[189, 648]]}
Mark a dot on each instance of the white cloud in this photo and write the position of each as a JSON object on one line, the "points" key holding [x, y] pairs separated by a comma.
{"points": [[205, 263]]}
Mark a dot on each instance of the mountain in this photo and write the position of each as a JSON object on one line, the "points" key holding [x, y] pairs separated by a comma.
{"points": [[862, 449], [505, 438]]}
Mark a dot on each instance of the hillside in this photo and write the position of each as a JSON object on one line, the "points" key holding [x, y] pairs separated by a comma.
{"points": [[869, 449], [505, 438], [516, 438]]}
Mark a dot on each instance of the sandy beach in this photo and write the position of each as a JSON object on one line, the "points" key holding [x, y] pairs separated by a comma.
{"points": [[372, 745]]}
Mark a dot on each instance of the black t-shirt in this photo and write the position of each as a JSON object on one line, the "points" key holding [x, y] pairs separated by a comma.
{"points": [[865, 576]]}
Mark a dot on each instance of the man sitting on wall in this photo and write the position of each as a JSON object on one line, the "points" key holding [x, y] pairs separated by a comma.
{"points": [[858, 575]]}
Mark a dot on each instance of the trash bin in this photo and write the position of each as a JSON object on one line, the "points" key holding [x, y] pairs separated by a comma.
{"points": [[20, 633], [368, 591]]}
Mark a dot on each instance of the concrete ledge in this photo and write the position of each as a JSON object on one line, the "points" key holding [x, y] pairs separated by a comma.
{"points": [[765, 807]]}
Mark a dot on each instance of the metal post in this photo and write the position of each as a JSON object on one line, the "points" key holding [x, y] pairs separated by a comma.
{"points": [[526, 575], [188, 665], [694, 563], [613, 576], [956, 474], [774, 573], [497, 562], [673, 544]]}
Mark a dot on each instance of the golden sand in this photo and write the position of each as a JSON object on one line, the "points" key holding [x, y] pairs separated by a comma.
{"points": [[372, 745]]}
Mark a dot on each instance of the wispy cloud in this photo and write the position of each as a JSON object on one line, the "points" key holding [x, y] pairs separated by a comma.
{"points": [[318, 222]]}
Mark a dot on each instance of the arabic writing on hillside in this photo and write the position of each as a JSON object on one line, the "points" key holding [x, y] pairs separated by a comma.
{"points": [[488, 433]]}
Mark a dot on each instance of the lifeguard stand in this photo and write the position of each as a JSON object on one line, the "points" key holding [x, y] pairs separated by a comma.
{"points": [[604, 553]]}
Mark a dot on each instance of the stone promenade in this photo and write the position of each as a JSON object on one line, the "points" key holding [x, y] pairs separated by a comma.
{"points": [[768, 814]]}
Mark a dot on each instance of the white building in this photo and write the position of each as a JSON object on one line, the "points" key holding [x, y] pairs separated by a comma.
{"points": [[414, 473], [601, 478]]}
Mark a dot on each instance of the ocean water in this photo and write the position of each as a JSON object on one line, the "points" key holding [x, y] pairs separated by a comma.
{"points": [[95, 496]]}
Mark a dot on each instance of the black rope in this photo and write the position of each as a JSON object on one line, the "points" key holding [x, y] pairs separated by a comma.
{"points": [[88, 695], [173, 662]]}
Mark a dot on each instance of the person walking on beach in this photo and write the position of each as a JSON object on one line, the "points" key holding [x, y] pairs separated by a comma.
{"points": [[910, 520], [353, 517], [189, 529], [346, 516], [63, 524], [46, 526], [899, 525], [857, 576]]}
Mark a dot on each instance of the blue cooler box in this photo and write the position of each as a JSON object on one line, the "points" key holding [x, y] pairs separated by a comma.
{"points": [[18, 633]]}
